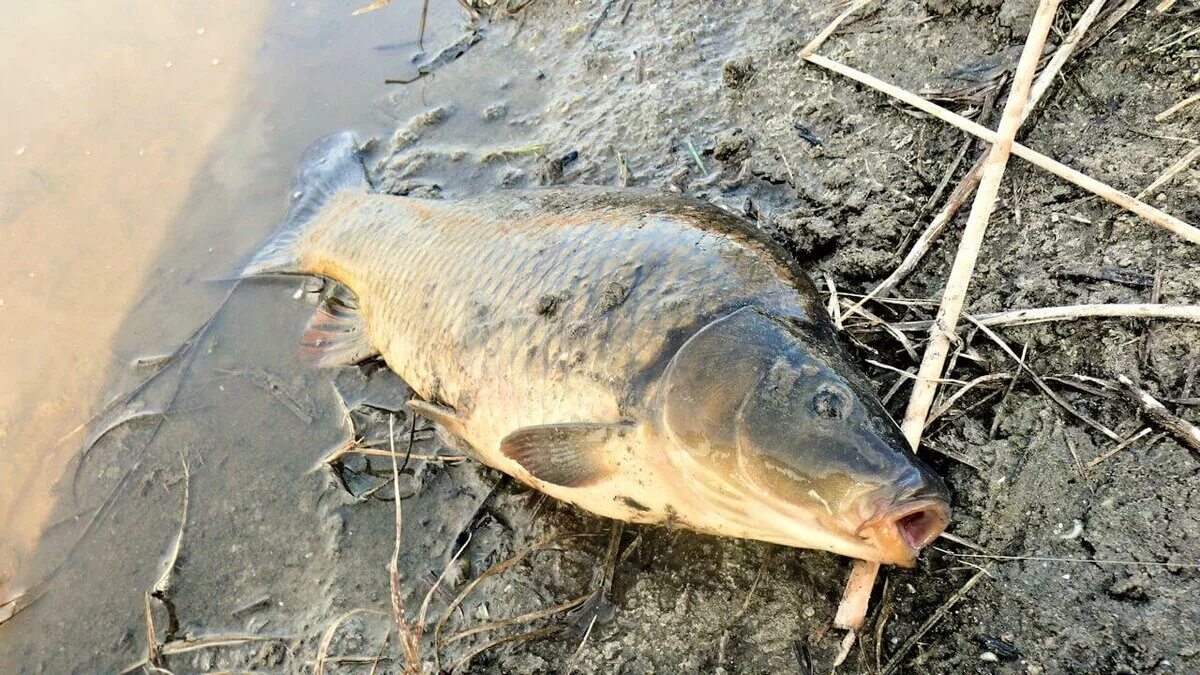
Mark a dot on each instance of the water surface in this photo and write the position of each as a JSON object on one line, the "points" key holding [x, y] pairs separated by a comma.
{"points": [[144, 149]]}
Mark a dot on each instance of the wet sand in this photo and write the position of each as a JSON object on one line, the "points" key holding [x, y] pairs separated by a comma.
{"points": [[112, 109], [150, 149]]}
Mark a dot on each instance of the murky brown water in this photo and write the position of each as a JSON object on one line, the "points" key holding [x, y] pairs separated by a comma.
{"points": [[146, 146]]}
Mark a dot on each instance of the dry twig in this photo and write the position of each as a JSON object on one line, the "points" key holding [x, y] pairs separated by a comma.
{"points": [[1185, 432], [1183, 163], [1162, 116], [1019, 317], [894, 663], [1119, 447]]}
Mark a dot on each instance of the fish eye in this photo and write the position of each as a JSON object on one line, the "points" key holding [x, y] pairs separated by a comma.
{"points": [[831, 403]]}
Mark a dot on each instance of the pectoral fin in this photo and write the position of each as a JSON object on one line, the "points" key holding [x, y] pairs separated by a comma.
{"points": [[337, 334], [573, 454]]}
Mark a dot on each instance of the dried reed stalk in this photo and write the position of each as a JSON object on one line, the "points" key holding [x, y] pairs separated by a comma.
{"points": [[852, 609], [1107, 192]]}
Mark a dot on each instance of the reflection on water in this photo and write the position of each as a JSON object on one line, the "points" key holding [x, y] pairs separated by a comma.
{"points": [[145, 146]]}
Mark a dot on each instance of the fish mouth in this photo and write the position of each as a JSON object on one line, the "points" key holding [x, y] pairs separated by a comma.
{"points": [[900, 532]]}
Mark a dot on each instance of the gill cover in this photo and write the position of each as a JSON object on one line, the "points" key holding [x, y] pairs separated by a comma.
{"points": [[773, 402], [710, 376]]}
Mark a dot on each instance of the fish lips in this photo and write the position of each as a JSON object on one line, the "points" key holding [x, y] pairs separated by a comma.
{"points": [[901, 527]]}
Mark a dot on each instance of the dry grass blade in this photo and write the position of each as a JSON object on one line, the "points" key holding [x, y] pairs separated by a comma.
{"points": [[894, 663], [1178, 38], [1164, 115], [410, 636], [1189, 564], [351, 449], [900, 337], [579, 650], [437, 583], [205, 642], [425, 458], [957, 198], [379, 654], [331, 631], [904, 374], [163, 585], [1173, 170], [1041, 384], [949, 402], [962, 541], [1119, 447], [462, 595], [528, 617], [1185, 432], [815, 43], [152, 655], [1107, 192], [762, 572], [528, 635]]}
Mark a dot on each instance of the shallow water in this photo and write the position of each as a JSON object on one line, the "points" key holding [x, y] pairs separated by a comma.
{"points": [[150, 149]]}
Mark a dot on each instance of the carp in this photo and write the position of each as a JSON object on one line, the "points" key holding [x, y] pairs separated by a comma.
{"points": [[646, 357]]}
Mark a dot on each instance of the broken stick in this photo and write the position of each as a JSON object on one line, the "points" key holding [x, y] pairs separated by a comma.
{"points": [[1185, 432]]}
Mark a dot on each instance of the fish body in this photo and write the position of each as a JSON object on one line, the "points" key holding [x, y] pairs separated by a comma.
{"points": [[646, 357]]}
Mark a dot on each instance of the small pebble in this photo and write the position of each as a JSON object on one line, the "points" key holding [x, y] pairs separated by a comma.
{"points": [[989, 657], [809, 612]]}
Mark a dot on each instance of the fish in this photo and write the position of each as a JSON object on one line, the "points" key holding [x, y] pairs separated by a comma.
{"points": [[646, 357]]}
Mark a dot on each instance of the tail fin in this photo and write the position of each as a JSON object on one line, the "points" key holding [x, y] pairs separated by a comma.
{"points": [[329, 165]]}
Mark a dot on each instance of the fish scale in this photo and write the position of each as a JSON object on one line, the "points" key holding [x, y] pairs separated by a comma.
{"points": [[417, 276]]}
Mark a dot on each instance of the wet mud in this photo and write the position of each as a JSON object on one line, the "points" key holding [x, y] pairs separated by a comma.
{"points": [[280, 549]]}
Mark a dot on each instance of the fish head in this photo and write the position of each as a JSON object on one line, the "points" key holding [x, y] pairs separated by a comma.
{"points": [[785, 441]]}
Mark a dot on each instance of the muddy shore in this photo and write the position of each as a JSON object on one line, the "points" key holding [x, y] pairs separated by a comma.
{"points": [[711, 101]]}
